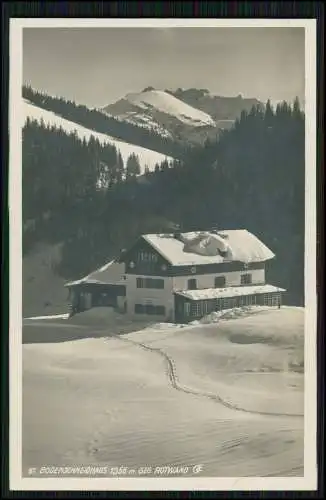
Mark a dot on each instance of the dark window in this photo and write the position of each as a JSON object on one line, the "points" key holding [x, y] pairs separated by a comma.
{"points": [[242, 300], [271, 299], [226, 303], [197, 308], [140, 283], [207, 306], [139, 309], [160, 310], [149, 283], [246, 279], [147, 257], [150, 309], [192, 284], [220, 281]]}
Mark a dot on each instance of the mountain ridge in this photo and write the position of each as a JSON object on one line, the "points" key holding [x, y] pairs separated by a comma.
{"points": [[192, 115], [220, 107], [147, 158], [159, 100], [166, 121], [98, 121]]}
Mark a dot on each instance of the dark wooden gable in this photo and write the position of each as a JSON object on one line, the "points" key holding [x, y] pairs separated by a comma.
{"points": [[142, 258]]}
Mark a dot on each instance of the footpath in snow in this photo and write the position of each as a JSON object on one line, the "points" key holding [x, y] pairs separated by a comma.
{"points": [[166, 394], [242, 356]]}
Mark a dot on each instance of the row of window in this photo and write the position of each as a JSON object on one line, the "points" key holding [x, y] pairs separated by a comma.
{"points": [[220, 281], [147, 257], [150, 283], [149, 309], [201, 308], [271, 299]]}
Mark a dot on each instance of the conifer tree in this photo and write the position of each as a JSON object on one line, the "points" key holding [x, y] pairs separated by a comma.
{"points": [[133, 166]]}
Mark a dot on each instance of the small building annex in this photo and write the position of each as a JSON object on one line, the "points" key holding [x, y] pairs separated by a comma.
{"points": [[181, 276]]}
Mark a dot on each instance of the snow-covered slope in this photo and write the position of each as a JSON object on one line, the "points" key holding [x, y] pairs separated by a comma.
{"points": [[116, 400], [142, 120], [43, 289], [160, 112], [169, 104], [147, 157]]}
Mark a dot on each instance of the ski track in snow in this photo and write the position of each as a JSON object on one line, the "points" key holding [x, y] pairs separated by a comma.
{"points": [[175, 384], [173, 380], [147, 157], [93, 447], [140, 420]]}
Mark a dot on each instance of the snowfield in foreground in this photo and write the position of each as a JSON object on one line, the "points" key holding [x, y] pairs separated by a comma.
{"points": [[228, 395], [147, 157]]}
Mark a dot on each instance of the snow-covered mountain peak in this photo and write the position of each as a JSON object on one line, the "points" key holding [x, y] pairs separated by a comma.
{"points": [[191, 115], [162, 113], [166, 103]]}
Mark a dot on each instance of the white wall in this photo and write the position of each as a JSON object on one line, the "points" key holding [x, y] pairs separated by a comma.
{"points": [[121, 303], [208, 280], [164, 297], [158, 297]]}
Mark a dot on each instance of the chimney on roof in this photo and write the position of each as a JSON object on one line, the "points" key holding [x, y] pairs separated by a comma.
{"points": [[178, 235]]}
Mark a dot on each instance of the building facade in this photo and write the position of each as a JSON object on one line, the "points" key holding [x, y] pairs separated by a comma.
{"points": [[184, 276]]}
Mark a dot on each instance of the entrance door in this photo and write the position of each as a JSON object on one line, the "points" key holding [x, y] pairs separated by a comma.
{"points": [[249, 300], [186, 309]]}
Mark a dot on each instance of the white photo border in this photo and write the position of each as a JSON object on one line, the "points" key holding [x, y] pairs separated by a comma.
{"points": [[16, 481]]}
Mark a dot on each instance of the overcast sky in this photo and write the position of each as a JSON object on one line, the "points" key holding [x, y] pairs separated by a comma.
{"points": [[97, 66]]}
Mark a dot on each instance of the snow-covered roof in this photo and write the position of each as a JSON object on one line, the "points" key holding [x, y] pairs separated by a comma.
{"points": [[233, 291], [110, 274], [203, 247]]}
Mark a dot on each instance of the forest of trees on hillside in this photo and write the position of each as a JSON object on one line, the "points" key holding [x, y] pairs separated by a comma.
{"points": [[94, 119], [67, 183], [253, 177]]}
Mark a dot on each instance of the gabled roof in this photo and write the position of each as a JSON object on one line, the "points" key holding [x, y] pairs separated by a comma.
{"points": [[110, 273], [205, 247]]}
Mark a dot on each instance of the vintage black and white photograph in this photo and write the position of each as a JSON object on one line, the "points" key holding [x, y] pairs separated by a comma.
{"points": [[163, 263]]}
